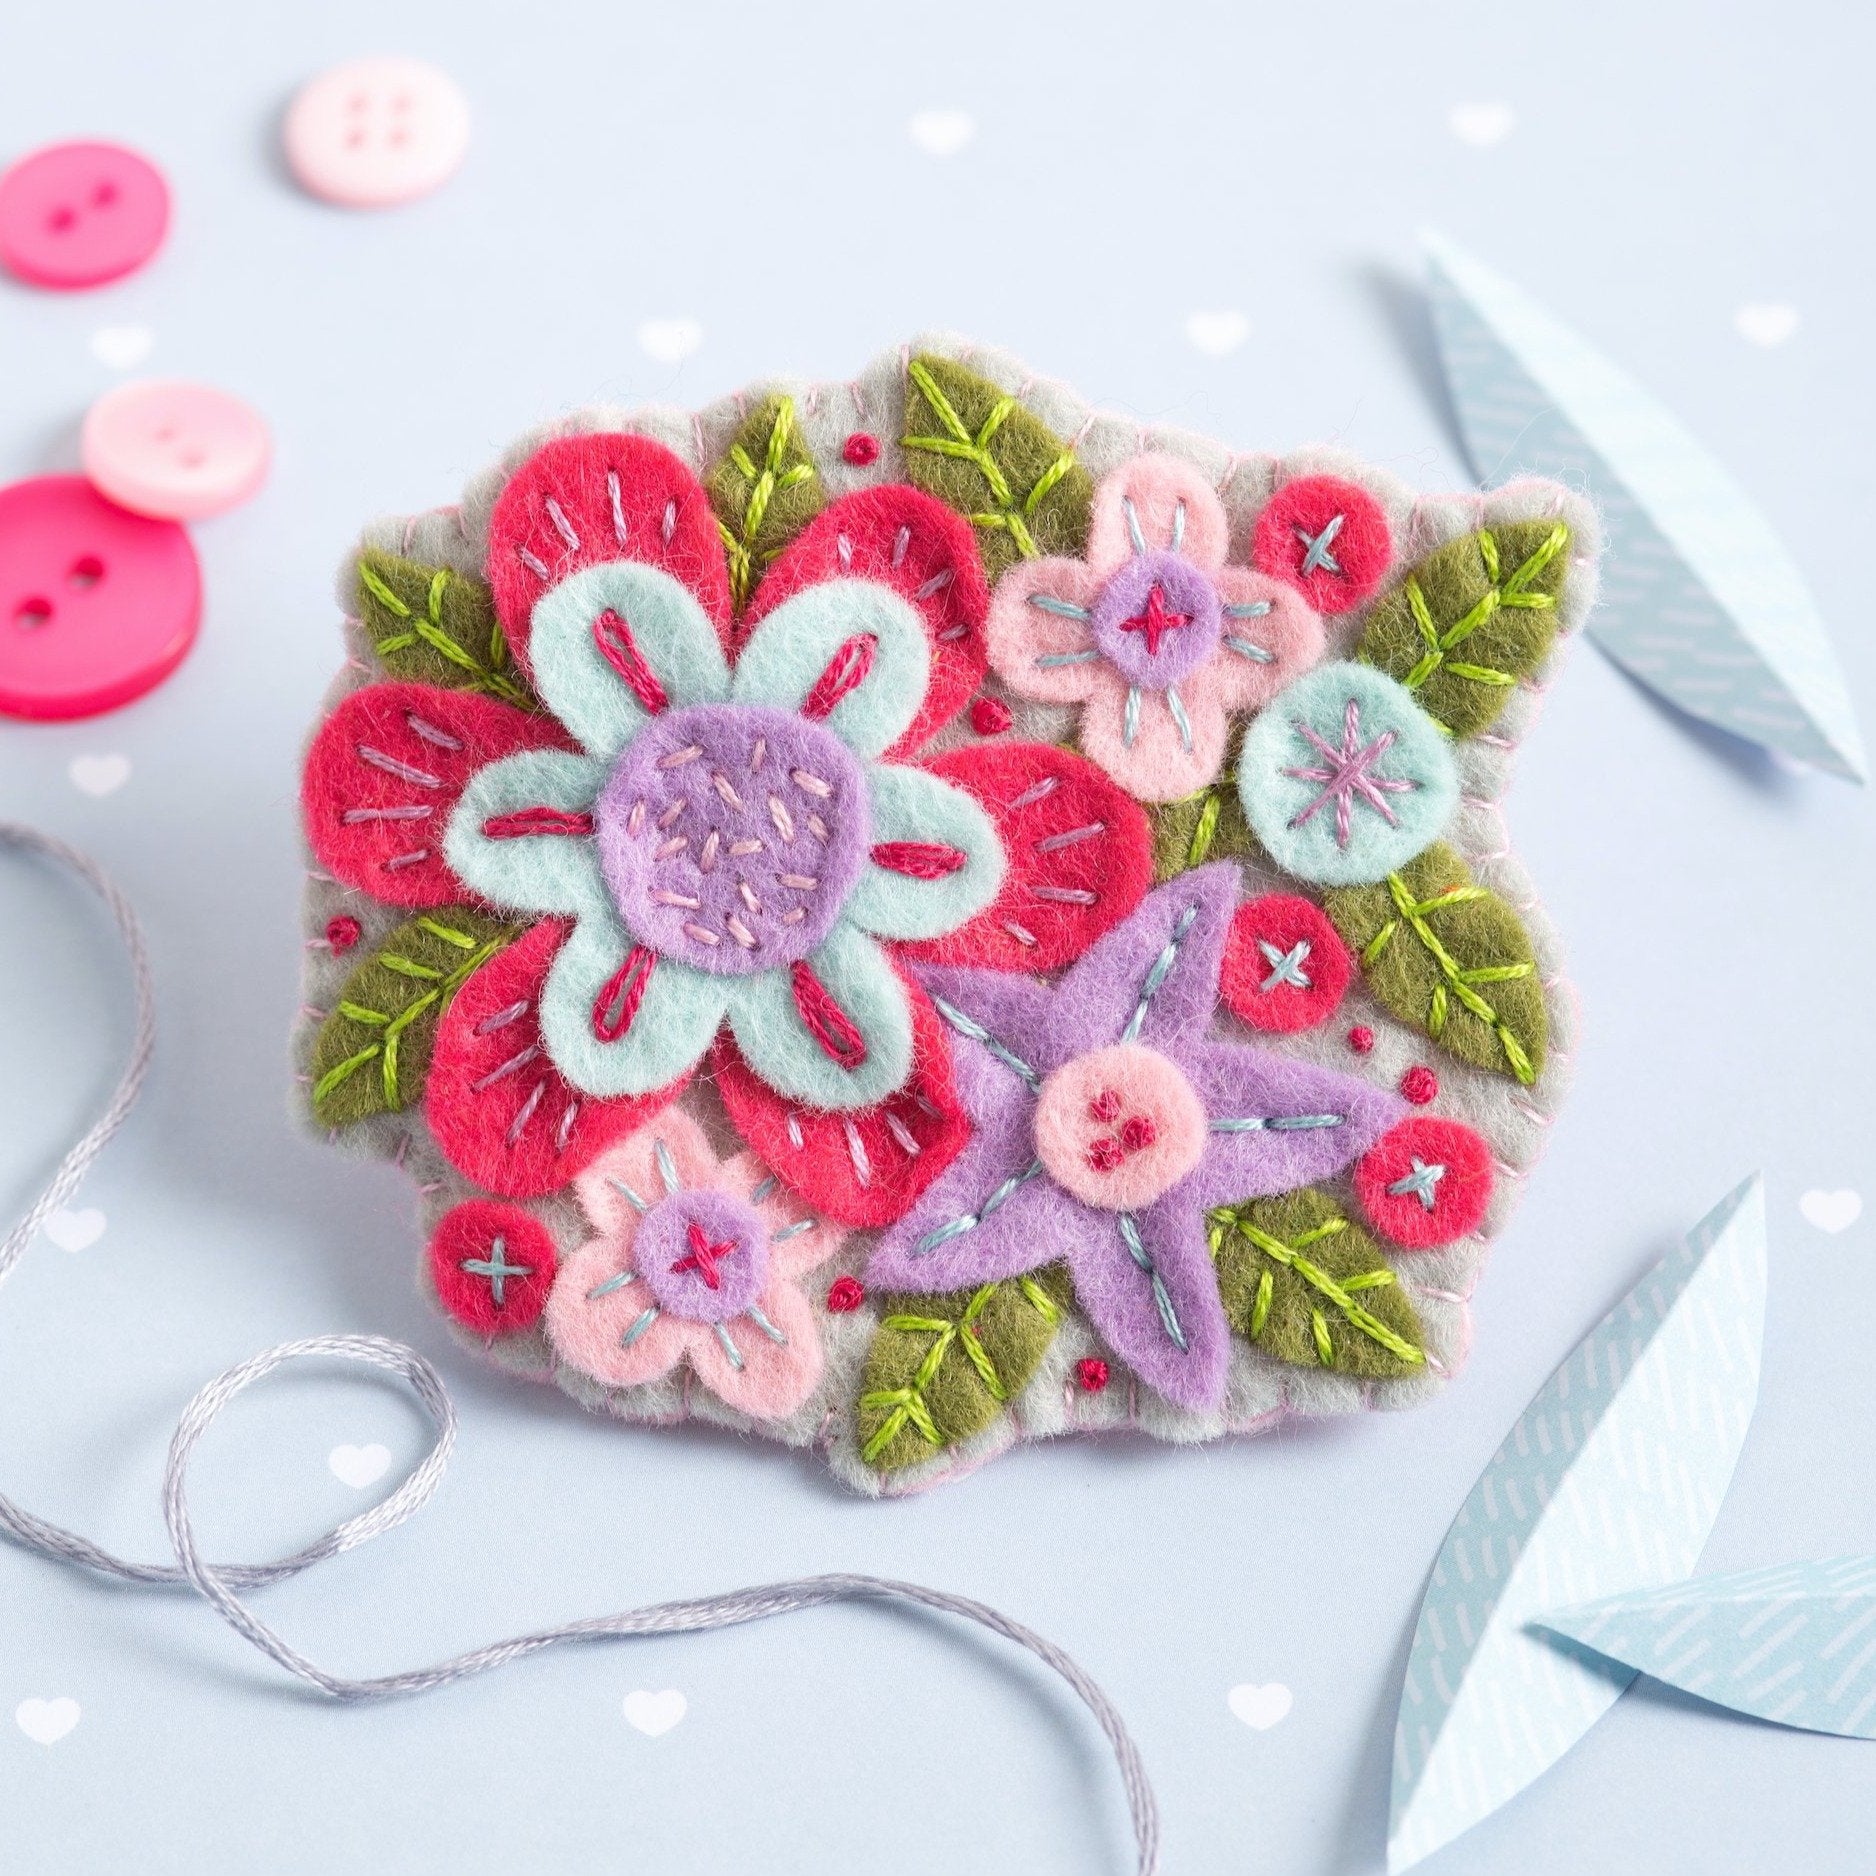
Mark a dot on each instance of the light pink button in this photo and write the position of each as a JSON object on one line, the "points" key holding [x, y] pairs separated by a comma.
{"points": [[96, 605], [79, 214], [377, 131], [173, 450]]}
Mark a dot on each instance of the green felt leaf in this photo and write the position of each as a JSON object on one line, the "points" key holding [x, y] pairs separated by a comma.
{"points": [[1471, 620], [979, 451], [943, 1367], [1209, 825], [765, 490], [1307, 1286], [373, 1052], [432, 625], [1450, 957]]}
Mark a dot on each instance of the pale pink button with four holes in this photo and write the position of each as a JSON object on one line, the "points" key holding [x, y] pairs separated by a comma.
{"points": [[174, 450], [376, 132]]}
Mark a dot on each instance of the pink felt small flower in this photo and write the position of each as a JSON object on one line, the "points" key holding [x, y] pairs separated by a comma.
{"points": [[1153, 635], [697, 1261]]}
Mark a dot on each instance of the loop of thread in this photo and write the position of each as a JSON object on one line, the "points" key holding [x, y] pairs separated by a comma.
{"points": [[218, 1584]]}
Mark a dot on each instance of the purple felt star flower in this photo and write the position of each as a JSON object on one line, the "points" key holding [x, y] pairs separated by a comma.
{"points": [[1108, 1121]]}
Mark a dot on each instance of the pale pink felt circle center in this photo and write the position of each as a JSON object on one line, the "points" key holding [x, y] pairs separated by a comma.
{"points": [[376, 132], [173, 450], [1119, 1126]]}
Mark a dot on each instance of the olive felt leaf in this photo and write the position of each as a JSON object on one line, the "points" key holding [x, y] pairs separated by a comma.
{"points": [[435, 626], [1471, 620], [979, 451], [944, 1367], [1209, 825], [372, 1053], [1310, 1288], [765, 490], [1450, 957]]}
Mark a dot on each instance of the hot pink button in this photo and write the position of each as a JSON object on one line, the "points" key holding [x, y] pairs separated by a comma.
{"points": [[377, 131], [172, 450], [79, 214], [96, 605]]}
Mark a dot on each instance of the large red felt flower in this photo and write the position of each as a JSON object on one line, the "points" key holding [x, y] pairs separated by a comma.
{"points": [[718, 827]]}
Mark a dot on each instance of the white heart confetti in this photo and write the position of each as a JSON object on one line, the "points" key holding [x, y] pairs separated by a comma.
{"points": [[1831, 1211], [359, 1466], [1215, 334], [1260, 1708], [46, 1722], [1766, 322], [653, 1713], [122, 347], [1481, 125], [941, 133], [669, 341], [75, 1231], [99, 775]]}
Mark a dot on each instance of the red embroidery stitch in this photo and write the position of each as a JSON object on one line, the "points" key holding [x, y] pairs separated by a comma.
{"points": [[1420, 1085], [527, 821], [918, 859], [845, 1294], [1361, 1038], [991, 716], [827, 1022], [1105, 1154], [846, 672], [1155, 621], [1105, 1105], [343, 932], [620, 649], [1091, 1372], [704, 1256], [861, 449], [1138, 1134], [617, 1003]]}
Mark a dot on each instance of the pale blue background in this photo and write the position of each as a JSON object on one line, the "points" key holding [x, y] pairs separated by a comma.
{"points": [[750, 168]]}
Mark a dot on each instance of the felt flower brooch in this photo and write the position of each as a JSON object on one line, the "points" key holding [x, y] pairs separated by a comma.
{"points": [[1155, 638], [706, 828], [697, 1262], [1109, 1121]]}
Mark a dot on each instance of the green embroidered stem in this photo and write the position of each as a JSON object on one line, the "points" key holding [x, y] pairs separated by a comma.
{"points": [[437, 626], [983, 1346], [389, 1011], [765, 490], [1208, 825], [1291, 1271]]}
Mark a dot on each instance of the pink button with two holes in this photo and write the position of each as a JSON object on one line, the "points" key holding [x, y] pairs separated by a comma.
{"points": [[376, 132], [96, 606], [174, 450], [79, 214]]}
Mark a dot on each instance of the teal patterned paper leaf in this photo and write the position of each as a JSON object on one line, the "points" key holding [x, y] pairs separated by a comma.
{"points": [[1795, 1643], [1700, 599], [1609, 1483]]}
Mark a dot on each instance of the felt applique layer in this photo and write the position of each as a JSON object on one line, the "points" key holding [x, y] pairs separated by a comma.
{"points": [[735, 844]]}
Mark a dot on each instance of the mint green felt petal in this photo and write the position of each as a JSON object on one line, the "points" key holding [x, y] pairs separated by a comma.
{"points": [[778, 1045], [675, 640], [676, 1020], [792, 648], [537, 872], [916, 808]]}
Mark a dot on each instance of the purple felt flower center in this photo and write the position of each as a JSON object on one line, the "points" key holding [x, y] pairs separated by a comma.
{"points": [[731, 834], [1157, 619], [704, 1255], [1119, 1126]]}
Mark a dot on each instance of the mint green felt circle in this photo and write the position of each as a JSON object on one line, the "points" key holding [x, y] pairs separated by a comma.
{"points": [[790, 650], [536, 872], [910, 805], [673, 636], [1344, 778], [779, 1047], [676, 1021]]}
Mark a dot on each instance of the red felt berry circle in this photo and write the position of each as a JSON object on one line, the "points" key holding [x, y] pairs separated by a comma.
{"points": [[492, 1265], [343, 932], [1285, 968], [845, 1294], [1426, 1181], [1420, 1085], [861, 449], [991, 716], [1327, 537], [1361, 1039], [1091, 1373]]}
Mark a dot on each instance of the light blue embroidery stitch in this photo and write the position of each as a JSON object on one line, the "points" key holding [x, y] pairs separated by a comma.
{"points": [[1162, 1298], [1319, 544], [767, 1327], [1162, 968], [1421, 1182], [734, 1353], [1133, 525], [639, 1327], [971, 1220], [497, 1269], [1286, 967], [969, 1026], [1179, 716], [667, 1167], [1062, 608], [1275, 1123]]}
